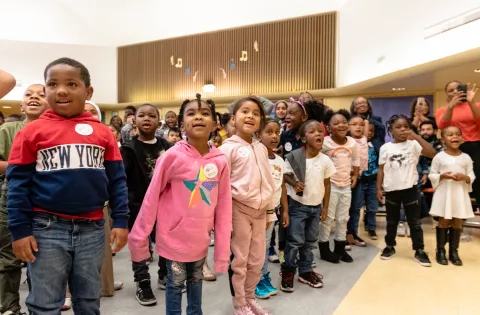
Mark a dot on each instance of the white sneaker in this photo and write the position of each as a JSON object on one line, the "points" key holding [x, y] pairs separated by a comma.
{"points": [[401, 229], [67, 304], [118, 285], [274, 259]]}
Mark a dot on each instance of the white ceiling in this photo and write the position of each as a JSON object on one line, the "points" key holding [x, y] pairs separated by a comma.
{"points": [[117, 23]]}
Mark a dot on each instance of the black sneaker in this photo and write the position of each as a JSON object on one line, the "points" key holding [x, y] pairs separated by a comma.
{"points": [[387, 253], [144, 293], [372, 234], [422, 258], [312, 279], [287, 281]]}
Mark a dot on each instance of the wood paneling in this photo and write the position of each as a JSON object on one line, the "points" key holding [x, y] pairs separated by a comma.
{"points": [[293, 55]]}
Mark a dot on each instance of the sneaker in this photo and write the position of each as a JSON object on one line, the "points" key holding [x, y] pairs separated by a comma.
{"points": [[348, 247], [287, 281], [208, 275], [401, 229], [118, 285], [66, 305], [422, 258], [372, 234], [357, 241], [387, 253], [243, 310], [162, 283], [144, 293], [256, 308], [149, 260], [281, 256], [268, 283], [274, 259], [261, 291], [312, 279], [15, 313], [314, 264]]}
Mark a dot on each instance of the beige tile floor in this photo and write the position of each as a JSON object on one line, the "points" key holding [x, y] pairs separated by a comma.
{"points": [[402, 287]]}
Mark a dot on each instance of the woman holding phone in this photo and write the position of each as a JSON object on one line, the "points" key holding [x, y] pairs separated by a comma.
{"points": [[463, 112]]}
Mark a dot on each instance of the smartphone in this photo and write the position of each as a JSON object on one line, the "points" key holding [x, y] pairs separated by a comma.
{"points": [[463, 89]]}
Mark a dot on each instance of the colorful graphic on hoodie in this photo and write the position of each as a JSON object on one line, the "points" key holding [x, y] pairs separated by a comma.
{"points": [[200, 188]]}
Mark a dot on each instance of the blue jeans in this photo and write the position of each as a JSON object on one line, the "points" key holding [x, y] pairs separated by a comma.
{"points": [[364, 192], [301, 235], [178, 273], [68, 250], [268, 239]]}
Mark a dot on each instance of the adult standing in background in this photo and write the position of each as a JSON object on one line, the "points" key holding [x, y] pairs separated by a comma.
{"points": [[420, 112], [463, 112], [363, 107]]}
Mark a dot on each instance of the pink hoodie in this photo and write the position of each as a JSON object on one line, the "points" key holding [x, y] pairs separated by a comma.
{"points": [[252, 181], [187, 196]]}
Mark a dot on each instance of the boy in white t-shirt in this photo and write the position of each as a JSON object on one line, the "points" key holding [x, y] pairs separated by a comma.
{"points": [[397, 172]]}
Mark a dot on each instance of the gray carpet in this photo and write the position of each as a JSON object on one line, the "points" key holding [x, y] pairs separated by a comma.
{"points": [[338, 280]]}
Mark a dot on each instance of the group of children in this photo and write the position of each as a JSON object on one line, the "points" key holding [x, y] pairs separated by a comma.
{"points": [[305, 170]]}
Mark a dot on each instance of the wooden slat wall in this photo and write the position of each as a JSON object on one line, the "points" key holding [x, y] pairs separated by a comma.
{"points": [[294, 55]]}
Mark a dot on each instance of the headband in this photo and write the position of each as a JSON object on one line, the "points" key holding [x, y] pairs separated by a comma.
{"points": [[96, 108], [299, 102]]}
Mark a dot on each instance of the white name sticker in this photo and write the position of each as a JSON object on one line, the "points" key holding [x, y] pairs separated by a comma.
{"points": [[84, 129], [210, 170]]}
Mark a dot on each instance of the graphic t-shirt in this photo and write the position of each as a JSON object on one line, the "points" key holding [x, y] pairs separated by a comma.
{"points": [[277, 166], [362, 147], [372, 161], [400, 164], [344, 157], [318, 169]]}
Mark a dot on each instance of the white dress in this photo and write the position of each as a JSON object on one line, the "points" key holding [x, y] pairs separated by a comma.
{"points": [[451, 199]]}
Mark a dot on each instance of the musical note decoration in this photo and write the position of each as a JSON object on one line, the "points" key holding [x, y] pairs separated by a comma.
{"points": [[172, 60], [244, 56], [224, 73], [255, 46], [232, 64], [179, 63], [195, 76], [187, 70]]}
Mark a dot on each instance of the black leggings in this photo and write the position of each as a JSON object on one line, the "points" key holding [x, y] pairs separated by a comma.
{"points": [[473, 150]]}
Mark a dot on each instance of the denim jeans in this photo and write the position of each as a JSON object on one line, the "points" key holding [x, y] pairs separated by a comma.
{"points": [[409, 198], [68, 250], [178, 273], [140, 269], [301, 235], [268, 238], [364, 192]]}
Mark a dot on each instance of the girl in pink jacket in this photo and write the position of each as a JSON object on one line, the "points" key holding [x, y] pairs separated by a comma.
{"points": [[252, 192], [188, 196]]}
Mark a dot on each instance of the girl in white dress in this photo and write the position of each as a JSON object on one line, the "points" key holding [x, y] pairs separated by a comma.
{"points": [[452, 177]]}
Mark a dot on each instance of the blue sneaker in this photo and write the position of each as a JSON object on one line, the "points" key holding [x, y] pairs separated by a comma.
{"points": [[267, 281], [261, 291]]}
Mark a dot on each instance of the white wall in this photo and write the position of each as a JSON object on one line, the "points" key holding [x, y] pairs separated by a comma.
{"points": [[393, 29], [116, 23], [26, 61]]}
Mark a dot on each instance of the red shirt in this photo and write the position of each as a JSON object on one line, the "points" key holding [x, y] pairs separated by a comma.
{"points": [[462, 118]]}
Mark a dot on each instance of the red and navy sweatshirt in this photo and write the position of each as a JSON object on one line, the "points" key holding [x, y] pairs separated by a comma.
{"points": [[64, 166]]}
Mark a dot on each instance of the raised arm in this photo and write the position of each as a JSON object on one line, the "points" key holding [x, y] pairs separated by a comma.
{"points": [[7, 83]]}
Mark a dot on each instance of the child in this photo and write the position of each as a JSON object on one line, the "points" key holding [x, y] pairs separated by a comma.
{"points": [[359, 128], [270, 135], [116, 133], [252, 190], [170, 122], [228, 125], [92, 108], [217, 141], [33, 105], [7, 83], [174, 135], [59, 179], [296, 116], [397, 173], [342, 150], [139, 157], [308, 171], [13, 118], [281, 112], [368, 182], [452, 177], [221, 128], [192, 179]]}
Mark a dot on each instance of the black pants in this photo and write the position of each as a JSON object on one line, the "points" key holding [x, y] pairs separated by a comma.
{"points": [[410, 200], [473, 150], [140, 269]]}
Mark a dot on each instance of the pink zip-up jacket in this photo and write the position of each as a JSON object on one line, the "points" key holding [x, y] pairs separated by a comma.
{"points": [[188, 196], [252, 181]]}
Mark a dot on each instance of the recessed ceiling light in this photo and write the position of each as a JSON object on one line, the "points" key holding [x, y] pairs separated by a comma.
{"points": [[476, 70], [7, 106], [398, 89]]}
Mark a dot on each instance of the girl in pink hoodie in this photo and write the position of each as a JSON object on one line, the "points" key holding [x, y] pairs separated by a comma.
{"points": [[188, 196], [252, 188]]}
